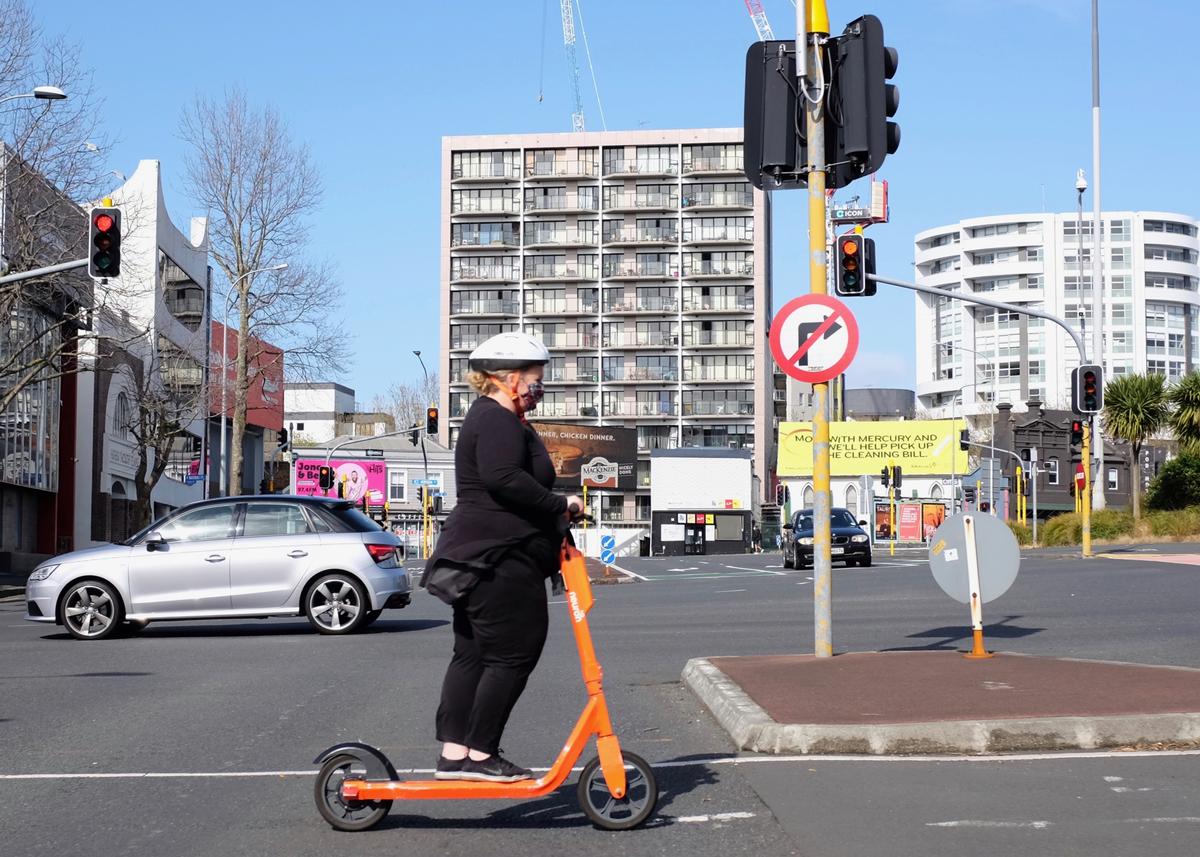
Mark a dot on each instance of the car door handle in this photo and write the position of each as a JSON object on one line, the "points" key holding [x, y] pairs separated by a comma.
{"points": [[296, 554], [216, 557]]}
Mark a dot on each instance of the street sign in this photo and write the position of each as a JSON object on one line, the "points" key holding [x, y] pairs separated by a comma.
{"points": [[192, 478], [373, 453], [607, 557], [433, 482], [608, 542], [996, 556], [814, 338], [852, 215]]}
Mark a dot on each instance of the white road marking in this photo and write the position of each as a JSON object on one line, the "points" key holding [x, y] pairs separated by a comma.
{"points": [[726, 591], [715, 760], [630, 573], [1036, 825], [759, 570], [1113, 779], [1186, 819], [716, 816]]}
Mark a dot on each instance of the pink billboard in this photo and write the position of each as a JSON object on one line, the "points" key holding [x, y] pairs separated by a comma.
{"points": [[909, 526], [356, 478]]}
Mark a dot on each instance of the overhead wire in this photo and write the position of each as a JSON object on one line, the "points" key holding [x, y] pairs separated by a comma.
{"points": [[591, 70], [542, 60]]}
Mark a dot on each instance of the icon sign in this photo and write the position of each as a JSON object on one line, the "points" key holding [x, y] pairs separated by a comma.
{"points": [[608, 542], [607, 557], [814, 338]]}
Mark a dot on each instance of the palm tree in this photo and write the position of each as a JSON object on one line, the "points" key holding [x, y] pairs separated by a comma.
{"points": [[1185, 419], [1135, 407]]}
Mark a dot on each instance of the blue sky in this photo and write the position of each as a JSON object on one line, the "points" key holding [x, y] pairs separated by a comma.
{"points": [[995, 112]]}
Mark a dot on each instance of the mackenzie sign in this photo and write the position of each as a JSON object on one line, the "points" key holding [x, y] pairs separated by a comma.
{"points": [[920, 447], [598, 456]]}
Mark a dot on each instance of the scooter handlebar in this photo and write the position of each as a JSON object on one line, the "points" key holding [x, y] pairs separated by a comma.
{"points": [[577, 514]]}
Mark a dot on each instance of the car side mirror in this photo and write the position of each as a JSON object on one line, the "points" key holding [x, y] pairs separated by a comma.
{"points": [[862, 523], [154, 541], [787, 526]]}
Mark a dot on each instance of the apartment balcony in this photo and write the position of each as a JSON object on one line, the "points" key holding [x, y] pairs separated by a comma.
{"points": [[557, 410], [624, 408], [561, 169], [622, 516], [644, 374], [647, 443], [718, 409], [500, 308], [486, 207], [570, 376], [485, 173], [560, 273], [510, 241], [635, 306], [459, 410], [569, 340], [468, 342], [717, 270], [641, 271], [566, 306], [630, 201], [640, 236], [641, 167], [485, 274], [718, 303], [633, 339], [718, 236], [560, 204], [536, 240], [714, 200], [706, 374], [718, 339], [714, 166]]}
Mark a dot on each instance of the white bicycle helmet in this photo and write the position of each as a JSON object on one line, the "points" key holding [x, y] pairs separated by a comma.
{"points": [[513, 350]]}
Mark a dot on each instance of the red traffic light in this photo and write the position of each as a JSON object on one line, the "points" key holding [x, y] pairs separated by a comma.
{"points": [[849, 246], [104, 222]]}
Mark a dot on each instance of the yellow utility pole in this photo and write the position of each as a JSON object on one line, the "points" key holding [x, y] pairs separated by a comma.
{"points": [[812, 25]]}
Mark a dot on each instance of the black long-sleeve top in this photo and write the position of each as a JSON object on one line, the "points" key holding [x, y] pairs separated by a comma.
{"points": [[504, 476]]}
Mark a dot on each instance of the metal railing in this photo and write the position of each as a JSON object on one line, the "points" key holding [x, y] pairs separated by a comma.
{"points": [[732, 408], [484, 307], [645, 339], [718, 199], [561, 169], [717, 373], [701, 236], [695, 339], [476, 239], [560, 272], [563, 305], [534, 236], [486, 171], [652, 201], [485, 205], [717, 269], [664, 270], [640, 235], [560, 203], [484, 272], [718, 304], [715, 164], [641, 166]]}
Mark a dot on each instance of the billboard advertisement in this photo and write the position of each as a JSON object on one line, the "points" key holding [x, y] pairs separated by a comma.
{"points": [[599, 456], [933, 515], [357, 479], [919, 447], [883, 522], [908, 524]]}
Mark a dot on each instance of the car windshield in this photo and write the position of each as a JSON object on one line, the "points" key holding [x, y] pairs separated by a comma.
{"points": [[837, 518]]}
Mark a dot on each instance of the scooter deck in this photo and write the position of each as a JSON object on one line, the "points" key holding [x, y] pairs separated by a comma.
{"points": [[447, 789]]}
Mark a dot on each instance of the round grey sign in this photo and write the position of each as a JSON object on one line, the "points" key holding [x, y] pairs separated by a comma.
{"points": [[999, 556]]}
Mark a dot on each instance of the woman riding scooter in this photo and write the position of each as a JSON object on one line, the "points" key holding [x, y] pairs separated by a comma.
{"points": [[503, 538]]}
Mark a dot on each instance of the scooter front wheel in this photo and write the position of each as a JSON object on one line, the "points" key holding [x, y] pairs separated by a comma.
{"points": [[610, 813], [342, 814]]}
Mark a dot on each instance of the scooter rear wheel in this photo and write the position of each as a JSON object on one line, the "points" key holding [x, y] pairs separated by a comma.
{"points": [[606, 811], [342, 814]]}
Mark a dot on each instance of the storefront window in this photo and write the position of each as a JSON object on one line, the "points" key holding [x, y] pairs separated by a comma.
{"points": [[29, 425]]}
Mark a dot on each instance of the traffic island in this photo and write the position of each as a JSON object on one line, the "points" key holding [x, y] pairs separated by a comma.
{"points": [[901, 703], [600, 574]]}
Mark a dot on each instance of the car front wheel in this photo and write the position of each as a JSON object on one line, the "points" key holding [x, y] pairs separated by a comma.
{"points": [[91, 610], [336, 604]]}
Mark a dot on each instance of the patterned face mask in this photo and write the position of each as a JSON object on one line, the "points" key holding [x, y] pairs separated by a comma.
{"points": [[535, 391]]}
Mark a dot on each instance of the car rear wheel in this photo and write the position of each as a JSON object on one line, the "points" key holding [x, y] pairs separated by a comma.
{"points": [[91, 610], [335, 604]]}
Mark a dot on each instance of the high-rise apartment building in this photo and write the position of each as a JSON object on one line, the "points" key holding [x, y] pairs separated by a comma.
{"points": [[1044, 261], [641, 259]]}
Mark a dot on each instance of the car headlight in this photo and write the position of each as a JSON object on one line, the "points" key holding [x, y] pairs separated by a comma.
{"points": [[43, 571], [805, 541], [860, 539]]}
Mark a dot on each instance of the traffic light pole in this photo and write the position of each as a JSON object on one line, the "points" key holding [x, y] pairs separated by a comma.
{"points": [[43, 272], [1024, 310], [811, 27]]}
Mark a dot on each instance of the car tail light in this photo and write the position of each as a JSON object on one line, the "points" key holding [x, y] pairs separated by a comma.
{"points": [[381, 553]]}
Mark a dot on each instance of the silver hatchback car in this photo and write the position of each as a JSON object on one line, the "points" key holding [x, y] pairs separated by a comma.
{"points": [[232, 558]]}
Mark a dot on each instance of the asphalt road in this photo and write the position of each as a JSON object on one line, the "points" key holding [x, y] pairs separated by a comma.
{"points": [[229, 716]]}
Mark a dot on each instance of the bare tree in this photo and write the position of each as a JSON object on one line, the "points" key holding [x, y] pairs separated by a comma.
{"points": [[52, 159], [260, 187], [407, 401]]}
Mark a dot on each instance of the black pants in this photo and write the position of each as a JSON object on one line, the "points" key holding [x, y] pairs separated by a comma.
{"points": [[499, 631]]}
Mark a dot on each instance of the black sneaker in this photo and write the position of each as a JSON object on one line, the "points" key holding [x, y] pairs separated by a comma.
{"points": [[494, 769], [448, 769]]}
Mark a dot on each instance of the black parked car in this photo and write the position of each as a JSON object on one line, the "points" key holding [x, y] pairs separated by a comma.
{"points": [[851, 544]]}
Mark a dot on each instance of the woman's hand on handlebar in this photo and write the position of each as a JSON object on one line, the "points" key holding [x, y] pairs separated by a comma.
{"points": [[574, 508]]}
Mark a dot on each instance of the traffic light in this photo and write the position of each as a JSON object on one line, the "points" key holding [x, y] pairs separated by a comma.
{"points": [[421, 496], [1087, 389], [325, 477], [283, 438], [431, 421], [862, 101], [856, 260], [969, 494], [104, 239], [775, 154], [782, 495], [886, 475], [896, 476], [964, 440], [415, 435], [1076, 433]]}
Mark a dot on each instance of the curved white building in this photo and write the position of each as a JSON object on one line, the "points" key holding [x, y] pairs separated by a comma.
{"points": [[1151, 305]]}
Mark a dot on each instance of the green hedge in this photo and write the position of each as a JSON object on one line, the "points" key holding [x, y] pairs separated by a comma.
{"points": [[1061, 530], [1177, 484], [1176, 524], [1107, 524]]}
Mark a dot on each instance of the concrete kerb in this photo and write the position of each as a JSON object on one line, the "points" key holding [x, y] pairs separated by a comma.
{"points": [[752, 729]]}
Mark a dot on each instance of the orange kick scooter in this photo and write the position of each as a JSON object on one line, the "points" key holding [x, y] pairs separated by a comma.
{"points": [[617, 791]]}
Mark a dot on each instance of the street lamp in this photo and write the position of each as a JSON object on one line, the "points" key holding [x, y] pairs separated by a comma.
{"points": [[42, 93], [425, 461], [991, 419], [224, 484]]}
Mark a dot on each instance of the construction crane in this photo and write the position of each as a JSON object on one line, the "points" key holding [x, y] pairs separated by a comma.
{"points": [[758, 16], [568, 27]]}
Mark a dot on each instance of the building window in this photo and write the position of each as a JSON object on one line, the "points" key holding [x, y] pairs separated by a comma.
{"points": [[1112, 479], [852, 500], [397, 486], [124, 416], [1051, 471], [808, 496]]}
